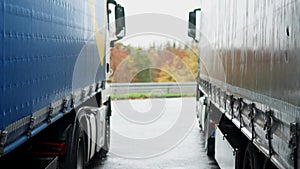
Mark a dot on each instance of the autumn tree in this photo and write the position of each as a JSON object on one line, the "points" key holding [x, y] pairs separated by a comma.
{"points": [[170, 63]]}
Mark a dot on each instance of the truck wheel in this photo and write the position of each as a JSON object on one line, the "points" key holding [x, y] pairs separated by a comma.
{"points": [[80, 155], [210, 147], [206, 126], [251, 158], [75, 157]]}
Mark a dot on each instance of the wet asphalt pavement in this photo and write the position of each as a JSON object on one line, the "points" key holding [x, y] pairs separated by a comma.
{"points": [[155, 134]]}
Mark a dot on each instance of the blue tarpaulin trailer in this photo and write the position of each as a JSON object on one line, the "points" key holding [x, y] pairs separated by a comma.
{"points": [[54, 63]]}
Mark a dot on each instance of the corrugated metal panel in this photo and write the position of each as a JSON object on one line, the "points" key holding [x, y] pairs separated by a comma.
{"points": [[251, 50], [253, 46]]}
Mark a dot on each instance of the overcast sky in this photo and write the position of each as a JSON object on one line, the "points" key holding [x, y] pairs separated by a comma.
{"points": [[178, 8], [174, 8]]}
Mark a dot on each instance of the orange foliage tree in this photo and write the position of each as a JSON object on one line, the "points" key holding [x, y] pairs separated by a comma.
{"points": [[166, 64]]}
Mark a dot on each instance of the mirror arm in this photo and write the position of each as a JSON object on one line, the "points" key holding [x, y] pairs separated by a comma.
{"points": [[198, 9], [112, 2], [112, 42]]}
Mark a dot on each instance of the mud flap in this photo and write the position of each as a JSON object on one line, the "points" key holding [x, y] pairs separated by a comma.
{"points": [[211, 146]]}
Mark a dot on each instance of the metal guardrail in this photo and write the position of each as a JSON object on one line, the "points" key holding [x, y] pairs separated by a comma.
{"points": [[167, 87]]}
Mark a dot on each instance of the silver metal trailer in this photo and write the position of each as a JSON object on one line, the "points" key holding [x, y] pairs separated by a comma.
{"points": [[248, 86]]}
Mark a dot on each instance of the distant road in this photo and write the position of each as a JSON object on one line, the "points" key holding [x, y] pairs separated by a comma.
{"points": [[123, 88]]}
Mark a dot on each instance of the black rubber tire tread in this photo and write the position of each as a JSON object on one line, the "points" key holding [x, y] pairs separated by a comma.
{"points": [[69, 160]]}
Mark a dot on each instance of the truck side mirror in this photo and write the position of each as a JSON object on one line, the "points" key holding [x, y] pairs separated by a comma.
{"points": [[192, 25], [120, 21]]}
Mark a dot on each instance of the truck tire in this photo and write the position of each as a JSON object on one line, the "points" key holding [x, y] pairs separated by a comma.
{"points": [[251, 158], [206, 128], [76, 155], [211, 147], [80, 154]]}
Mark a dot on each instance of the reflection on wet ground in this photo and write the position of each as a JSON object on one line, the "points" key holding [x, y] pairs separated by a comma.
{"points": [[188, 154]]}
